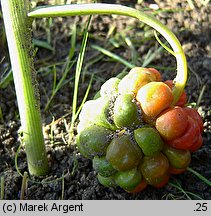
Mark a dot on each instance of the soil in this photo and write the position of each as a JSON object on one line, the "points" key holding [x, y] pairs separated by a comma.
{"points": [[191, 26]]}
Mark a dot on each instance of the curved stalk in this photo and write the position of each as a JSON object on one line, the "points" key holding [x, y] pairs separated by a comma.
{"points": [[101, 8]]}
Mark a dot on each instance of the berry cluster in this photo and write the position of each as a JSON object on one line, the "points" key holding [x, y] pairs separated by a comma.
{"points": [[134, 135]]}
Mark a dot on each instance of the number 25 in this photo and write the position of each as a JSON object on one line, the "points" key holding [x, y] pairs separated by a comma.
{"points": [[201, 206]]}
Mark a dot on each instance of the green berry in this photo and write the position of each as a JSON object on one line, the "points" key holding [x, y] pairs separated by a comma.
{"points": [[149, 140], [128, 180], [103, 167], [154, 168], [126, 111], [178, 158], [94, 140], [123, 153], [106, 181]]}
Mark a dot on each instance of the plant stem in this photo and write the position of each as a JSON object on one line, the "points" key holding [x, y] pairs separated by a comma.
{"points": [[2, 188], [101, 8], [18, 32], [24, 185]]}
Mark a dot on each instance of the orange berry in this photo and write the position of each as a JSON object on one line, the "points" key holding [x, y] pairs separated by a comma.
{"points": [[189, 137], [172, 123], [197, 144], [154, 97], [195, 116], [156, 73], [135, 79]]}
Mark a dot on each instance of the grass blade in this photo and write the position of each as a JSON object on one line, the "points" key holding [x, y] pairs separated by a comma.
{"points": [[134, 53], [186, 193], [63, 187], [68, 65], [194, 195], [43, 44], [78, 73], [1, 115], [73, 42], [6, 79], [54, 77], [113, 56], [61, 82], [151, 55], [200, 95], [163, 45], [206, 181], [24, 186], [2, 188], [178, 186], [85, 97]]}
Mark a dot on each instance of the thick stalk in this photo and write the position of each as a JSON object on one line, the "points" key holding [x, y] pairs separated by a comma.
{"points": [[88, 9], [18, 32]]}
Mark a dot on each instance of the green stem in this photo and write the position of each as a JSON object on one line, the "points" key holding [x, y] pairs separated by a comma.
{"points": [[100, 8], [18, 32], [24, 185], [2, 188]]}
